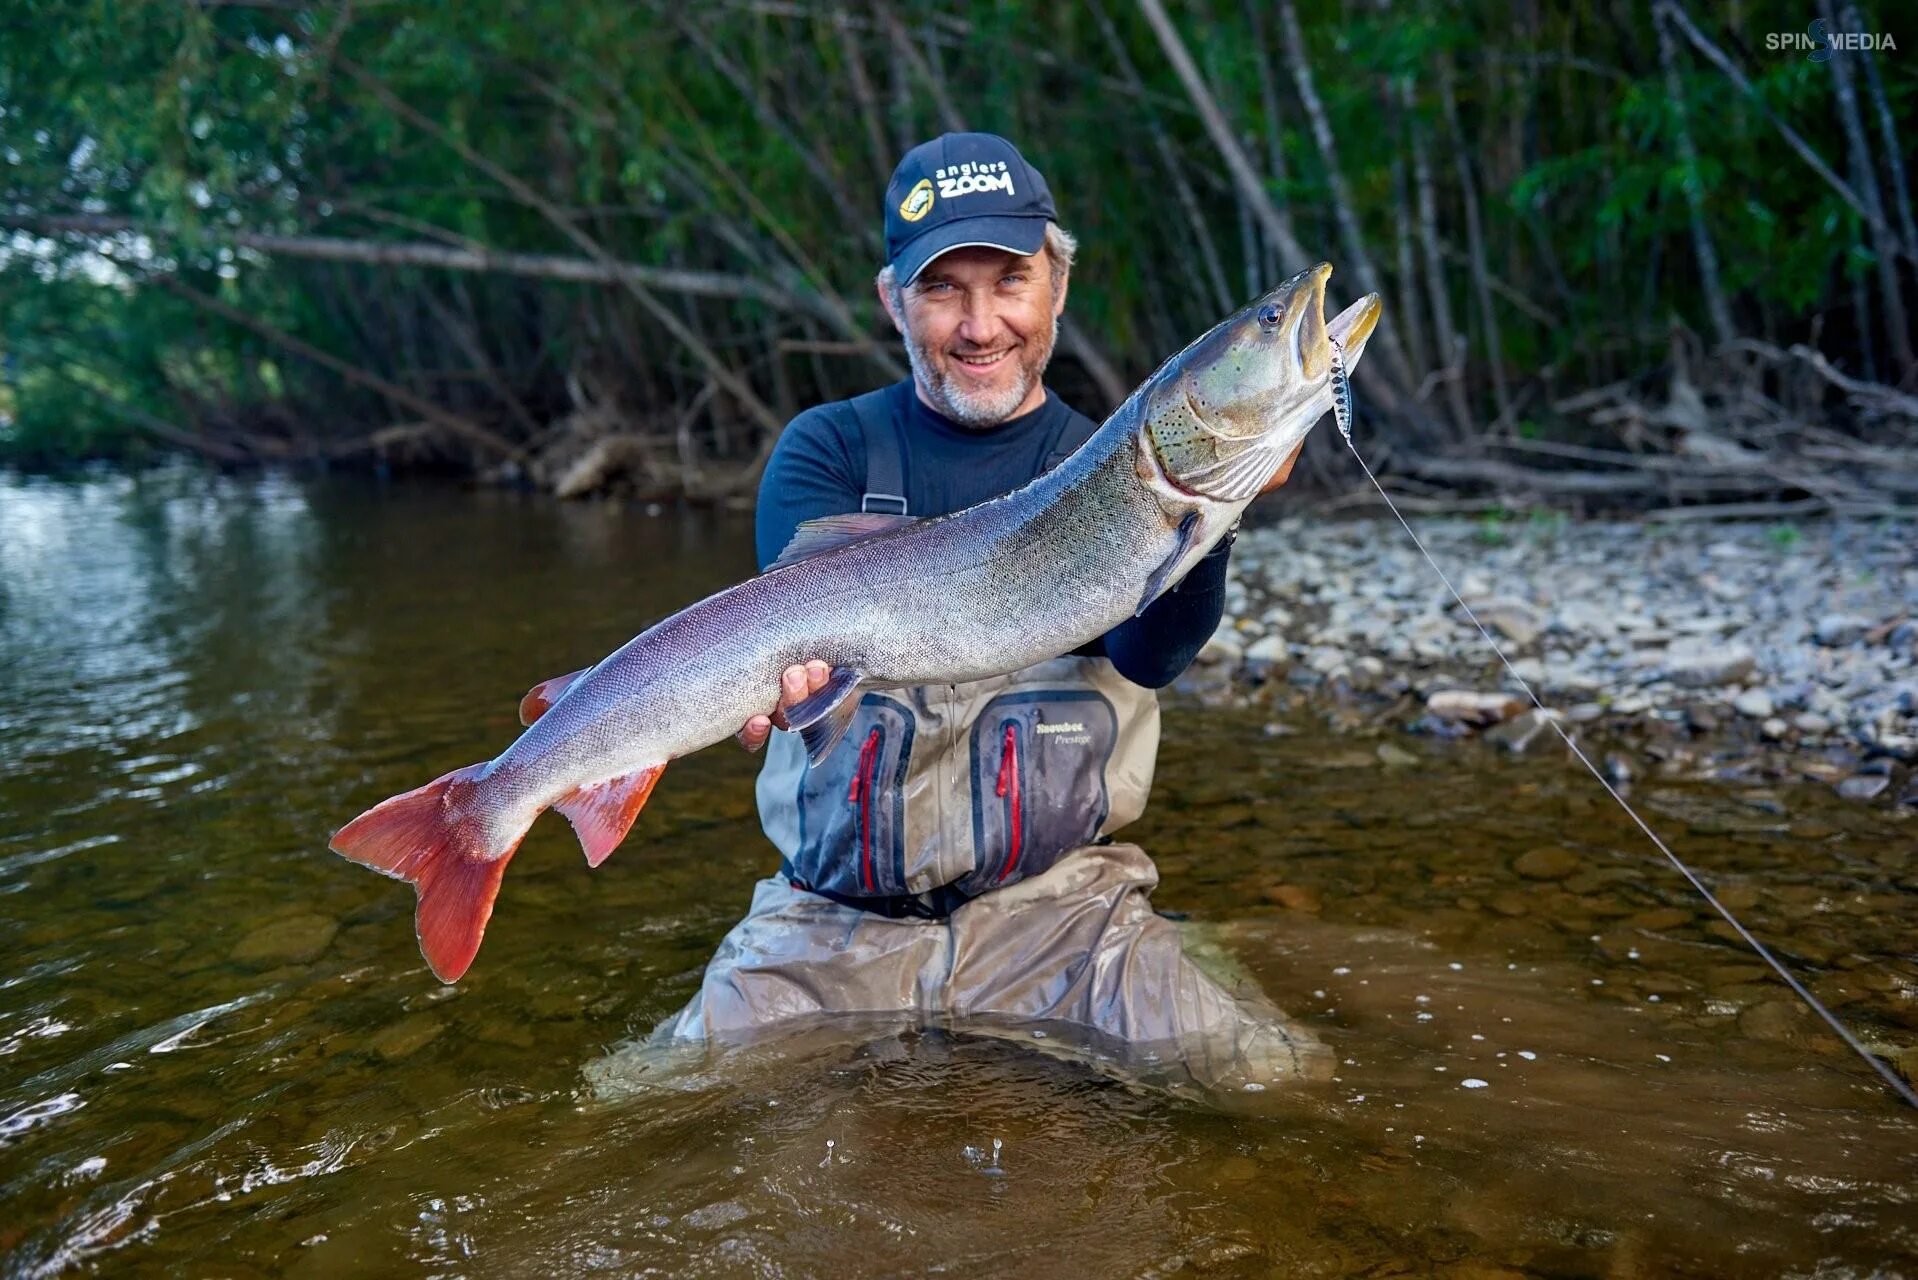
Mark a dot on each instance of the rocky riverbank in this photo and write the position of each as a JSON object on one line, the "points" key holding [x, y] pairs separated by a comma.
{"points": [[1732, 650]]}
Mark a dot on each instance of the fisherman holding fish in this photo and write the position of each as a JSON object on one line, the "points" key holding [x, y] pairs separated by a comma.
{"points": [[969, 595], [953, 858]]}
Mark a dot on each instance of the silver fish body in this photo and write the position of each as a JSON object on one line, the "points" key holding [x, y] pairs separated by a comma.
{"points": [[991, 589]]}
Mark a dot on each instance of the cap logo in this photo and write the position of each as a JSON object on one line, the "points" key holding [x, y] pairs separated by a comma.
{"points": [[973, 177], [918, 201]]}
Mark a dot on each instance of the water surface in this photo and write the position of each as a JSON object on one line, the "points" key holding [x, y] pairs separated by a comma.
{"points": [[220, 1052]]}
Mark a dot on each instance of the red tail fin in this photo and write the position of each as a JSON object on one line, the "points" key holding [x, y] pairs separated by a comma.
{"points": [[431, 838]]}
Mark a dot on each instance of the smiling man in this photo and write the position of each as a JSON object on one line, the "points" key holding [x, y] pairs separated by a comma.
{"points": [[951, 863]]}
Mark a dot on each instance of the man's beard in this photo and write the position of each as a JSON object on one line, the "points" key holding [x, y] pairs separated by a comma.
{"points": [[983, 409]]}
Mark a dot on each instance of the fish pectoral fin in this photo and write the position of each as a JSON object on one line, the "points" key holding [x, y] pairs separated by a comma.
{"points": [[812, 537], [1155, 585], [603, 812], [543, 695], [822, 719]]}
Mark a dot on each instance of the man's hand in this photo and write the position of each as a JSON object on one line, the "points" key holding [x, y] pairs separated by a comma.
{"points": [[1284, 472], [796, 684]]}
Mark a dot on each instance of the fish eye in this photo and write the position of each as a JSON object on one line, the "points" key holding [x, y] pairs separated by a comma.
{"points": [[1269, 316]]}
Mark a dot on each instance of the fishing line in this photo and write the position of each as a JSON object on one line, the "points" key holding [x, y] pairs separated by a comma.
{"points": [[1342, 412]]}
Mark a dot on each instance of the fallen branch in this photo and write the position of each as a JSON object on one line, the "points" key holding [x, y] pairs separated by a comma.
{"points": [[1873, 394], [381, 253]]}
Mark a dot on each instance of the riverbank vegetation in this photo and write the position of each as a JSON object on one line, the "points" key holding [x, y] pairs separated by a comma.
{"points": [[1631, 255]]}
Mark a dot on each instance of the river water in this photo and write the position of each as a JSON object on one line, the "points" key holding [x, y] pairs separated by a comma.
{"points": [[220, 1052]]}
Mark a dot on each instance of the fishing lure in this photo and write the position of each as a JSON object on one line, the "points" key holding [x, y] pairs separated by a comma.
{"points": [[1341, 390]]}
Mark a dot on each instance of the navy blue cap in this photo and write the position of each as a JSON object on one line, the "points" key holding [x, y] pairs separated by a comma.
{"points": [[963, 189]]}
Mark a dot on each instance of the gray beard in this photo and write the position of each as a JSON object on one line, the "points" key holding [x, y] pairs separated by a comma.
{"points": [[978, 411]]}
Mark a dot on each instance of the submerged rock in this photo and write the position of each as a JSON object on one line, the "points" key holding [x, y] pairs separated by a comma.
{"points": [[294, 940], [1521, 733], [1547, 862]]}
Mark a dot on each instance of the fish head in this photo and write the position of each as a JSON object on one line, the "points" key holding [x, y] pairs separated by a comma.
{"points": [[1220, 416]]}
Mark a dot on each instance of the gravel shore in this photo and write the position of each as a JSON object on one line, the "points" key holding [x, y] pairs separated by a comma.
{"points": [[1722, 649]]}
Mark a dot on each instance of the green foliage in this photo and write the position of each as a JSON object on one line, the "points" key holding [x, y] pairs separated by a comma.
{"points": [[753, 141]]}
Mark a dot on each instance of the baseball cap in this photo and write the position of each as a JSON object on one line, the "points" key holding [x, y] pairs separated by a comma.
{"points": [[963, 189]]}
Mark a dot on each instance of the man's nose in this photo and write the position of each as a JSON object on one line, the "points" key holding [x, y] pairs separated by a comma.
{"points": [[979, 324]]}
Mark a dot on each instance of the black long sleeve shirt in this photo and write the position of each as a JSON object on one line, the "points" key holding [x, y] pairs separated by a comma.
{"points": [[818, 468]]}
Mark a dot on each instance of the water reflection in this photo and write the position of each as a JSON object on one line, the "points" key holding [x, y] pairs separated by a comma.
{"points": [[218, 1044]]}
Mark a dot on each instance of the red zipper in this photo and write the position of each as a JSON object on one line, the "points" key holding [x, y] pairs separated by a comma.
{"points": [[860, 794], [1009, 792]]}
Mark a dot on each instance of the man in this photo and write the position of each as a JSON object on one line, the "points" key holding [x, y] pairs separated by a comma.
{"points": [[951, 862]]}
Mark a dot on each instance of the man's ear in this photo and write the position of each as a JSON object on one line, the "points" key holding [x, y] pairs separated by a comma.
{"points": [[886, 301], [1059, 294]]}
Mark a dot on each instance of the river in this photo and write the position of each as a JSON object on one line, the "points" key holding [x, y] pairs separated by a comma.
{"points": [[221, 1054]]}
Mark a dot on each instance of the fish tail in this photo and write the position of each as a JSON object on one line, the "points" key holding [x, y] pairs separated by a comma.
{"points": [[434, 838]]}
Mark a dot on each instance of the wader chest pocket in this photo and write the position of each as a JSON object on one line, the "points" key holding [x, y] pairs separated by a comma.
{"points": [[1038, 780], [852, 815]]}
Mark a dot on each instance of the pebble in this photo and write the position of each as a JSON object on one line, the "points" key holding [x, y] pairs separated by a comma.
{"points": [[1754, 703], [1469, 707], [1223, 648], [1863, 786], [1264, 655], [1838, 629], [1707, 666]]}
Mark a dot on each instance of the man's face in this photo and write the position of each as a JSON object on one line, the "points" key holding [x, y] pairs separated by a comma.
{"points": [[979, 325]]}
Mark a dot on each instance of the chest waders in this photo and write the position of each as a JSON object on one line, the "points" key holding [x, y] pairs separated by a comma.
{"points": [[950, 865], [939, 793]]}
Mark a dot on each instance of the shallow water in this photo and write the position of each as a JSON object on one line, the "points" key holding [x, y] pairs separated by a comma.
{"points": [[221, 1054]]}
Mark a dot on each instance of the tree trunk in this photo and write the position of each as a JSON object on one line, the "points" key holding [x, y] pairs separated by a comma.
{"points": [[1475, 244], [1865, 179], [1169, 158], [1451, 356], [1407, 277], [1708, 278], [1343, 207], [1887, 136]]}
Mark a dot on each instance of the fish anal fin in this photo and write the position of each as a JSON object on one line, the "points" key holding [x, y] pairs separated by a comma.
{"points": [[603, 812], [822, 718], [1156, 584], [829, 532]]}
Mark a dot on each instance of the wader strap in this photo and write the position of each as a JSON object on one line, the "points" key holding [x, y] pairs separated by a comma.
{"points": [[885, 455], [1073, 432]]}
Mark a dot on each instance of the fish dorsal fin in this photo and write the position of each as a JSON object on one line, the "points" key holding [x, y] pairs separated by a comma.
{"points": [[827, 532], [540, 698]]}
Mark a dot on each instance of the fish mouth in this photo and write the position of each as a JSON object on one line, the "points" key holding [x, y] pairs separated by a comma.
{"points": [[1311, 335], [1352, 327]]}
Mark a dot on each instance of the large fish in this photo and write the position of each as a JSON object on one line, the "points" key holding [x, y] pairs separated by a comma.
{"points": [[887, 603]]}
